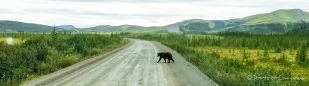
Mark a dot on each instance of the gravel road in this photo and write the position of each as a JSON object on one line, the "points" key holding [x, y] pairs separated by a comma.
{"points": [[132, 65]]}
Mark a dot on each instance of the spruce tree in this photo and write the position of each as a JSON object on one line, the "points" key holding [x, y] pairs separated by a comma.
{"points": [[301, 55]]}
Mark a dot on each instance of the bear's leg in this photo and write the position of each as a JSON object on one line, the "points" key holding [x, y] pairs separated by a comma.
{"points": [[169, 59], [159, 59], [172, 60]]}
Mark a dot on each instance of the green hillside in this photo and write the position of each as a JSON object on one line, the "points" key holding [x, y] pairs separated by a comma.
{"points": [[14, 26], [198, 26], [279, 21], [279, 16], [124, 28]]}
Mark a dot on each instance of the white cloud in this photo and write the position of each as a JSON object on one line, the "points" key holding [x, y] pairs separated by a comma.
{"points": [[137, 12]]}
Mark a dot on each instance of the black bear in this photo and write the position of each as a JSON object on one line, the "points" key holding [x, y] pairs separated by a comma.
{"points": [[165, 55]]}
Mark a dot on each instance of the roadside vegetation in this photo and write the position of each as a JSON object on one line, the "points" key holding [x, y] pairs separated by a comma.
{"points": [[35, 55], [244, 59]]}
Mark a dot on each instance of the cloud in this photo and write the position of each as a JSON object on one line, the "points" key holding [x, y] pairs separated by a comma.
{"points": [[82, 13]]}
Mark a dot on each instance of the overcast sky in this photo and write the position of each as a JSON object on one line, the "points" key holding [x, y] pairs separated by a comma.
{"points": [[89, 13]]}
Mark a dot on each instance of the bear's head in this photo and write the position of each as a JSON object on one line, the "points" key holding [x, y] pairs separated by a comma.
{"points": [[159, 54]]}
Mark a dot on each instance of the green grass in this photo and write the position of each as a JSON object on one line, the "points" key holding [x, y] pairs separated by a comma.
{"points": [[256, 56]]}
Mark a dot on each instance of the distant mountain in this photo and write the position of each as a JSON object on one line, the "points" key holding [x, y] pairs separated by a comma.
{"points": [[199, 26], [279, 16], [67, 28], [278, 21], [14, 26], [123, 28]]}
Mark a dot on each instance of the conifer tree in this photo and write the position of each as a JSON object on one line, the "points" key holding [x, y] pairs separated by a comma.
{"points": [[301, 55]]}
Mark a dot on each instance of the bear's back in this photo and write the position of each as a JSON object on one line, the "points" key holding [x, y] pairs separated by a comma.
{"points": [[167, 54]]}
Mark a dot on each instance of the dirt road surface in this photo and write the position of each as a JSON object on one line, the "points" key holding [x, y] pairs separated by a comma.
{"points": [[132, 65]]}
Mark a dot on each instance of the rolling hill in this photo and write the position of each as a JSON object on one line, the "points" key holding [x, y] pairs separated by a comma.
{"points": [[279, 21], [69, 28], [279, 16], [66, 27], [274, 22], [14, 26], [124, 28]]}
